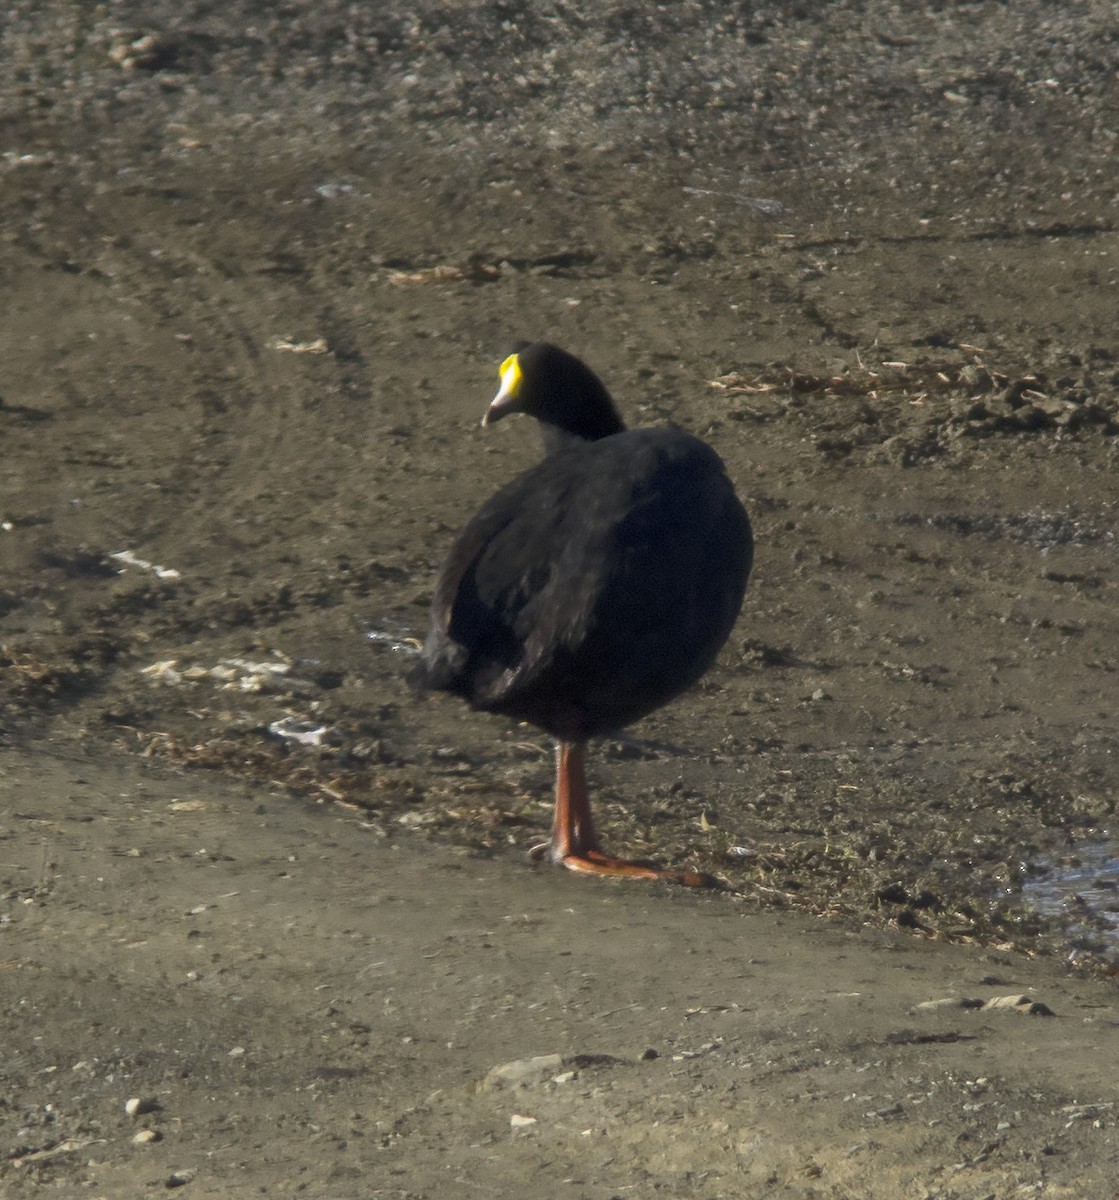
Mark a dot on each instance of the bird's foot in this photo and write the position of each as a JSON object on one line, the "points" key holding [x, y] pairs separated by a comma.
{"points": [[595, 862]]}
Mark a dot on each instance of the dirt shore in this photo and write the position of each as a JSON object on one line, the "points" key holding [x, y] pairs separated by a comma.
{"points": [[302, 1006], [260, 265]]}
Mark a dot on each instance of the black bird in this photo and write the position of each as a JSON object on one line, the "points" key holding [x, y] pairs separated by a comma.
{"points": [[593, 588]]}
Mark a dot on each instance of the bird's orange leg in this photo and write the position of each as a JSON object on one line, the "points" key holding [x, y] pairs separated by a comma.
{"points": [[574, 843]]}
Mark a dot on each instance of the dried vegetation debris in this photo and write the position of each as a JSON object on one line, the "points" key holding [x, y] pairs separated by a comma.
{"points": [[957, 399], [225, 713]]}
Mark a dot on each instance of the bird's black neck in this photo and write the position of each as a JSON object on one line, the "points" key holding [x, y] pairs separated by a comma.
{"points": [[555, 438], [592, 424]]}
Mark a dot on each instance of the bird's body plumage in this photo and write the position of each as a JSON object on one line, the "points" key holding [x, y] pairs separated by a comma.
{"points": [[594, 587]]}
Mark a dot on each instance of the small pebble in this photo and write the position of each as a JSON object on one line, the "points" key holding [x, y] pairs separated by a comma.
{"points": [[519, 1122], [145, 1136], [139, 1105]]}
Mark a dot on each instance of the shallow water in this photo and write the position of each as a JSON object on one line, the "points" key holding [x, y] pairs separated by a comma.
{"points": [[1044, 530], [1082, 890]]}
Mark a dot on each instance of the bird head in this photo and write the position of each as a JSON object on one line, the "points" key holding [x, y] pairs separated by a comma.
{"points": [[561, 392]]}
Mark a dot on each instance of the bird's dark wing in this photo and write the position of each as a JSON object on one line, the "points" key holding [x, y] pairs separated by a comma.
{"points": [[500, 577]]}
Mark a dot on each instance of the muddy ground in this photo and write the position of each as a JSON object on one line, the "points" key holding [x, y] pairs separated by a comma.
{"points": [[259, 265]]}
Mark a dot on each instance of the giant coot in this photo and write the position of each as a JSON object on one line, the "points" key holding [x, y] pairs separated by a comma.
{"points": [[593, 588]]}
